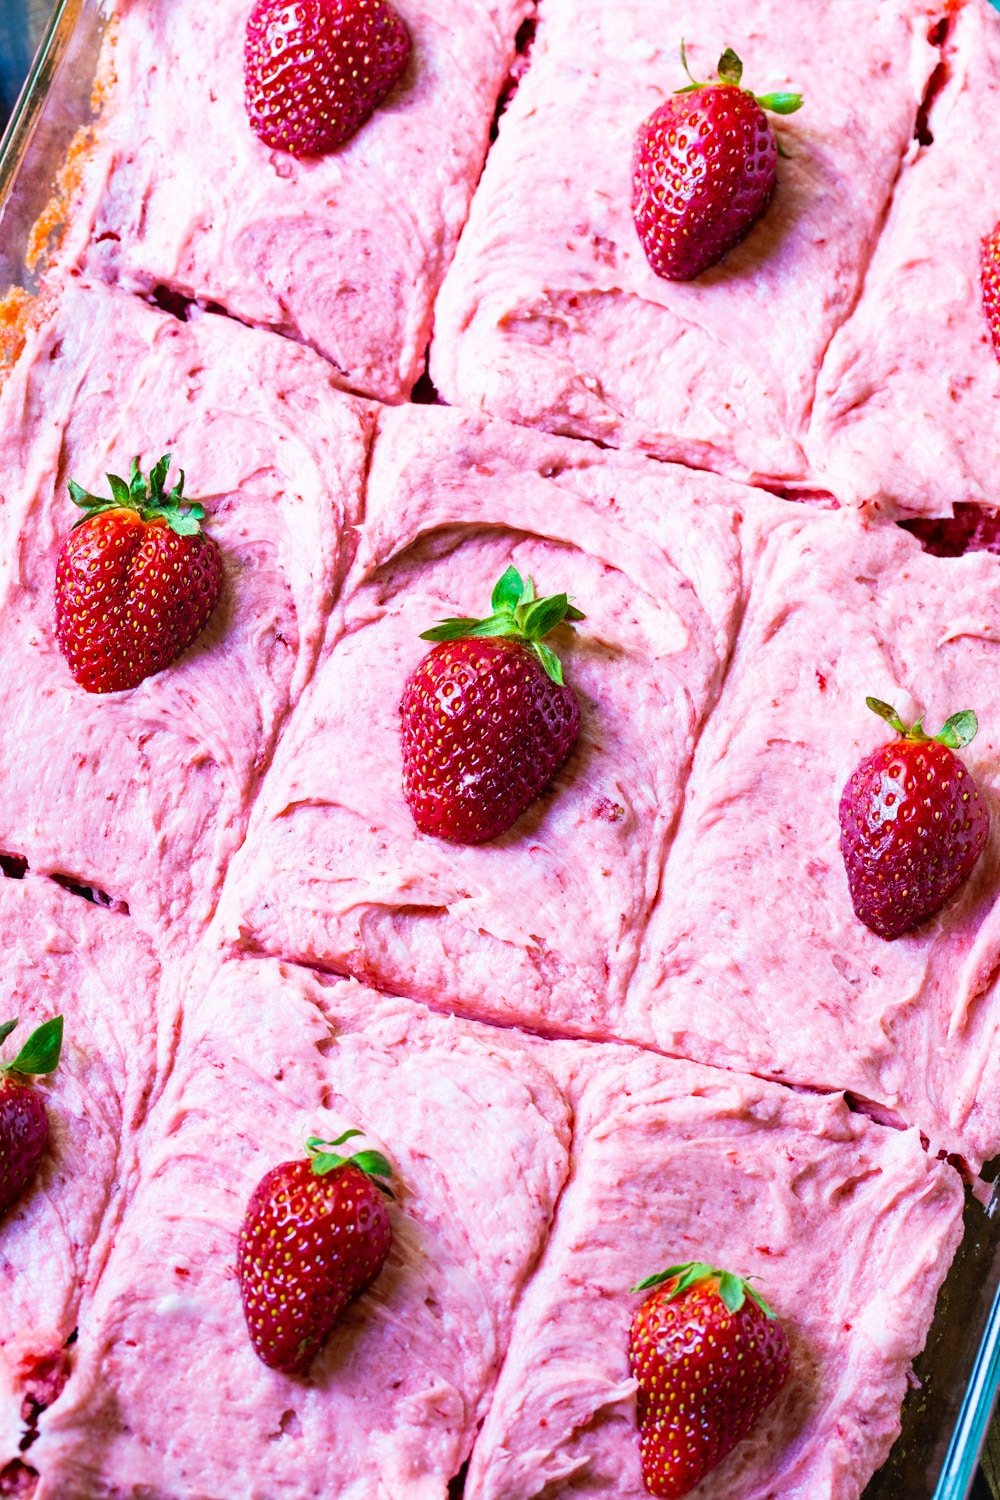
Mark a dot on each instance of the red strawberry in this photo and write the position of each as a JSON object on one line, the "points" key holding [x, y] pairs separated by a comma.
{"points": [[487, 720], [314, 70], [136, 581], [989, 270], [316, 1233], [24, 1124], [704, 169], [913, 823], [709, 1356]]}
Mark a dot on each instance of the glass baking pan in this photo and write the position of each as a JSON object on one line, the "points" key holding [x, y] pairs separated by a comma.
{"points": [[948, 1410]]}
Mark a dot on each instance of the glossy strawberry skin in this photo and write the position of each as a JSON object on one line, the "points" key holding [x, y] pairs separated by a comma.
{"points": [[24, 1137], [913, 825], [703, 172], [705, 1377], [484, 731], [989, 266], [131, 596], [308, 1245], [314, 70]]}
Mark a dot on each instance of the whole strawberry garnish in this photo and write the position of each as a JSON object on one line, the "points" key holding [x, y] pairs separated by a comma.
{"points": [[487, 720], [709, 1356], [913, 823], [136, 581], [24, 1124], [989, 270], [704, 169], [316, 1233], [314, 70]]}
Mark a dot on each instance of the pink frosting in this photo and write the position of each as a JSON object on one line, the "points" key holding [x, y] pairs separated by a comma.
{"points": [[62, 956], [541, 926], [168, 1398], [754, 958], [679, 886], [551, 314], [603, 1161], [344, 252], [909, 394], [145, 794], [673, 1163]]}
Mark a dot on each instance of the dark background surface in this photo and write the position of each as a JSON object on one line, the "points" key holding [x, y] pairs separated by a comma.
{"points": [[21, 23], [21, 26]]}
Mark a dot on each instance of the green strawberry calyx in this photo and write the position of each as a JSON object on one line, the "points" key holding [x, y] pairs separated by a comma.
{"points": [[957, 732], [730, 71], [324, 1158], [734, 1290], [516, 615], [40, 1053], [148, 498]]}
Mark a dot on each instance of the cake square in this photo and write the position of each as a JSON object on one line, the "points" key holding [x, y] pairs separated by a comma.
{"points": [[551, 315], [541, 926], [64, 956], [848, 1226], [906, 408], [343, 252], [144, 794], [478, 1134], [754, 958]]}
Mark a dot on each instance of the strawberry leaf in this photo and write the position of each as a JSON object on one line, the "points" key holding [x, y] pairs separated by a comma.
{"points": [[780, 103], [508, 592], [187, 523], [659, 1278], [958, 731], [148, 501], [136, 483], [730, 69], [448, 630], [40, 1053], [6, 1029], [516, 615], [690, 1272], [732, 1291], [315, 1144], [157, 476], [694, 84], [765, 1308], [496, 625], [371, 1162], [120, 491], [538, 619], [888, 713], [325, 1162], [550, 661]]}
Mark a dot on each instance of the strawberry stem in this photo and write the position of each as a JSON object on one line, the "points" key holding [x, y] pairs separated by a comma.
{"points": [[325, 1158], [516, 615], [957, 732], [733, 1290], [148, 499], [730, 71], [40, 1053]]}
